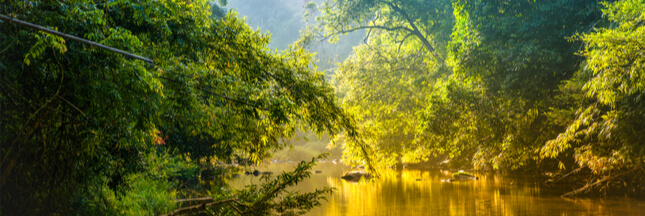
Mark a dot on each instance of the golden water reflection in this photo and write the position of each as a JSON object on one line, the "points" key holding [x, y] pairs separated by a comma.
{"points": [[421, 192]]}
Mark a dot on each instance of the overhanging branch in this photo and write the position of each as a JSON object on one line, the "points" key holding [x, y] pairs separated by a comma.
{"points": [[416, 32], [72, 37], [370, 27]]}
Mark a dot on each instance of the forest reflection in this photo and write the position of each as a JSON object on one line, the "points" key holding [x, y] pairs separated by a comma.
{"points": [[421, 192]]}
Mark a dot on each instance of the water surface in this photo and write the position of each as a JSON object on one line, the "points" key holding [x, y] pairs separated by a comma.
{"points": [[421, 192]]}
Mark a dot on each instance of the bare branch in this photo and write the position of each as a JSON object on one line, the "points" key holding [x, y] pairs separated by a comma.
{"points": [[416, 32], [194, 208], [401, 43], [603, 180], [370, 27]]}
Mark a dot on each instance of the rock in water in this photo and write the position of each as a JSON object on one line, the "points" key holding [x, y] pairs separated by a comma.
{"points": [[355, 175], [463, 176]]}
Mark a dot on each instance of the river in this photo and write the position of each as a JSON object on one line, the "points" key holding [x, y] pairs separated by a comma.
{"points": [[421, 192]]}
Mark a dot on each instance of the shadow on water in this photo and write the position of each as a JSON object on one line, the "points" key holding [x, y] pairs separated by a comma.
{"points": [[421, 192]]}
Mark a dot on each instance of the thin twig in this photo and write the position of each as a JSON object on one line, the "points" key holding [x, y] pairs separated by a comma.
{"points": [[5, 49], [236, 209], [70, 103]]}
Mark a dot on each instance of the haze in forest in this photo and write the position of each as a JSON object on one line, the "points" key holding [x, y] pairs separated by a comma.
{"points": [[283, 20], [176, 107]]}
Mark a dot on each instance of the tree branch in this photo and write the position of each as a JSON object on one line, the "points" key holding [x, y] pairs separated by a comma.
{"points": [[370, 27], [71, 104], [417, 33], [195, 199], [74, 38], [215, 94], [401, 42], [566, 175], [589, 186], [197, 207]]}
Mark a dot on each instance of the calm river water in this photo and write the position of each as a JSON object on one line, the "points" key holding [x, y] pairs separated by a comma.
{"points": [[421, 192]]}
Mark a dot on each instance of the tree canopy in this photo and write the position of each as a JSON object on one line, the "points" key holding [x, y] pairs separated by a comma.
{"points": [[79, 121], [504, 85], [526, 85]]}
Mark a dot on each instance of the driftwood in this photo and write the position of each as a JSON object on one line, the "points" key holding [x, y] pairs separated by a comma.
{"points": [[603, 180], [72, 37]]}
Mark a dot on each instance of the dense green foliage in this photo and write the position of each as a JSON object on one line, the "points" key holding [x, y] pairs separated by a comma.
{"points": [[384, 86], [513, 55], [384, 82], [504, 85], [608, 131], [526, 85], [88, 131]]}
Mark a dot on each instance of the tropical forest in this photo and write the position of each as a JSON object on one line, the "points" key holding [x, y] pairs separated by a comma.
{"points": [[322, 107]]}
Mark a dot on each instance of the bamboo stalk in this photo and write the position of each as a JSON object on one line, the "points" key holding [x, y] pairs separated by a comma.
{"points": [[72, 37]]}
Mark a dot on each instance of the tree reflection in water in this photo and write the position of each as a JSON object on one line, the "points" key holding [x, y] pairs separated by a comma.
{"points": [[421, 192]]}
